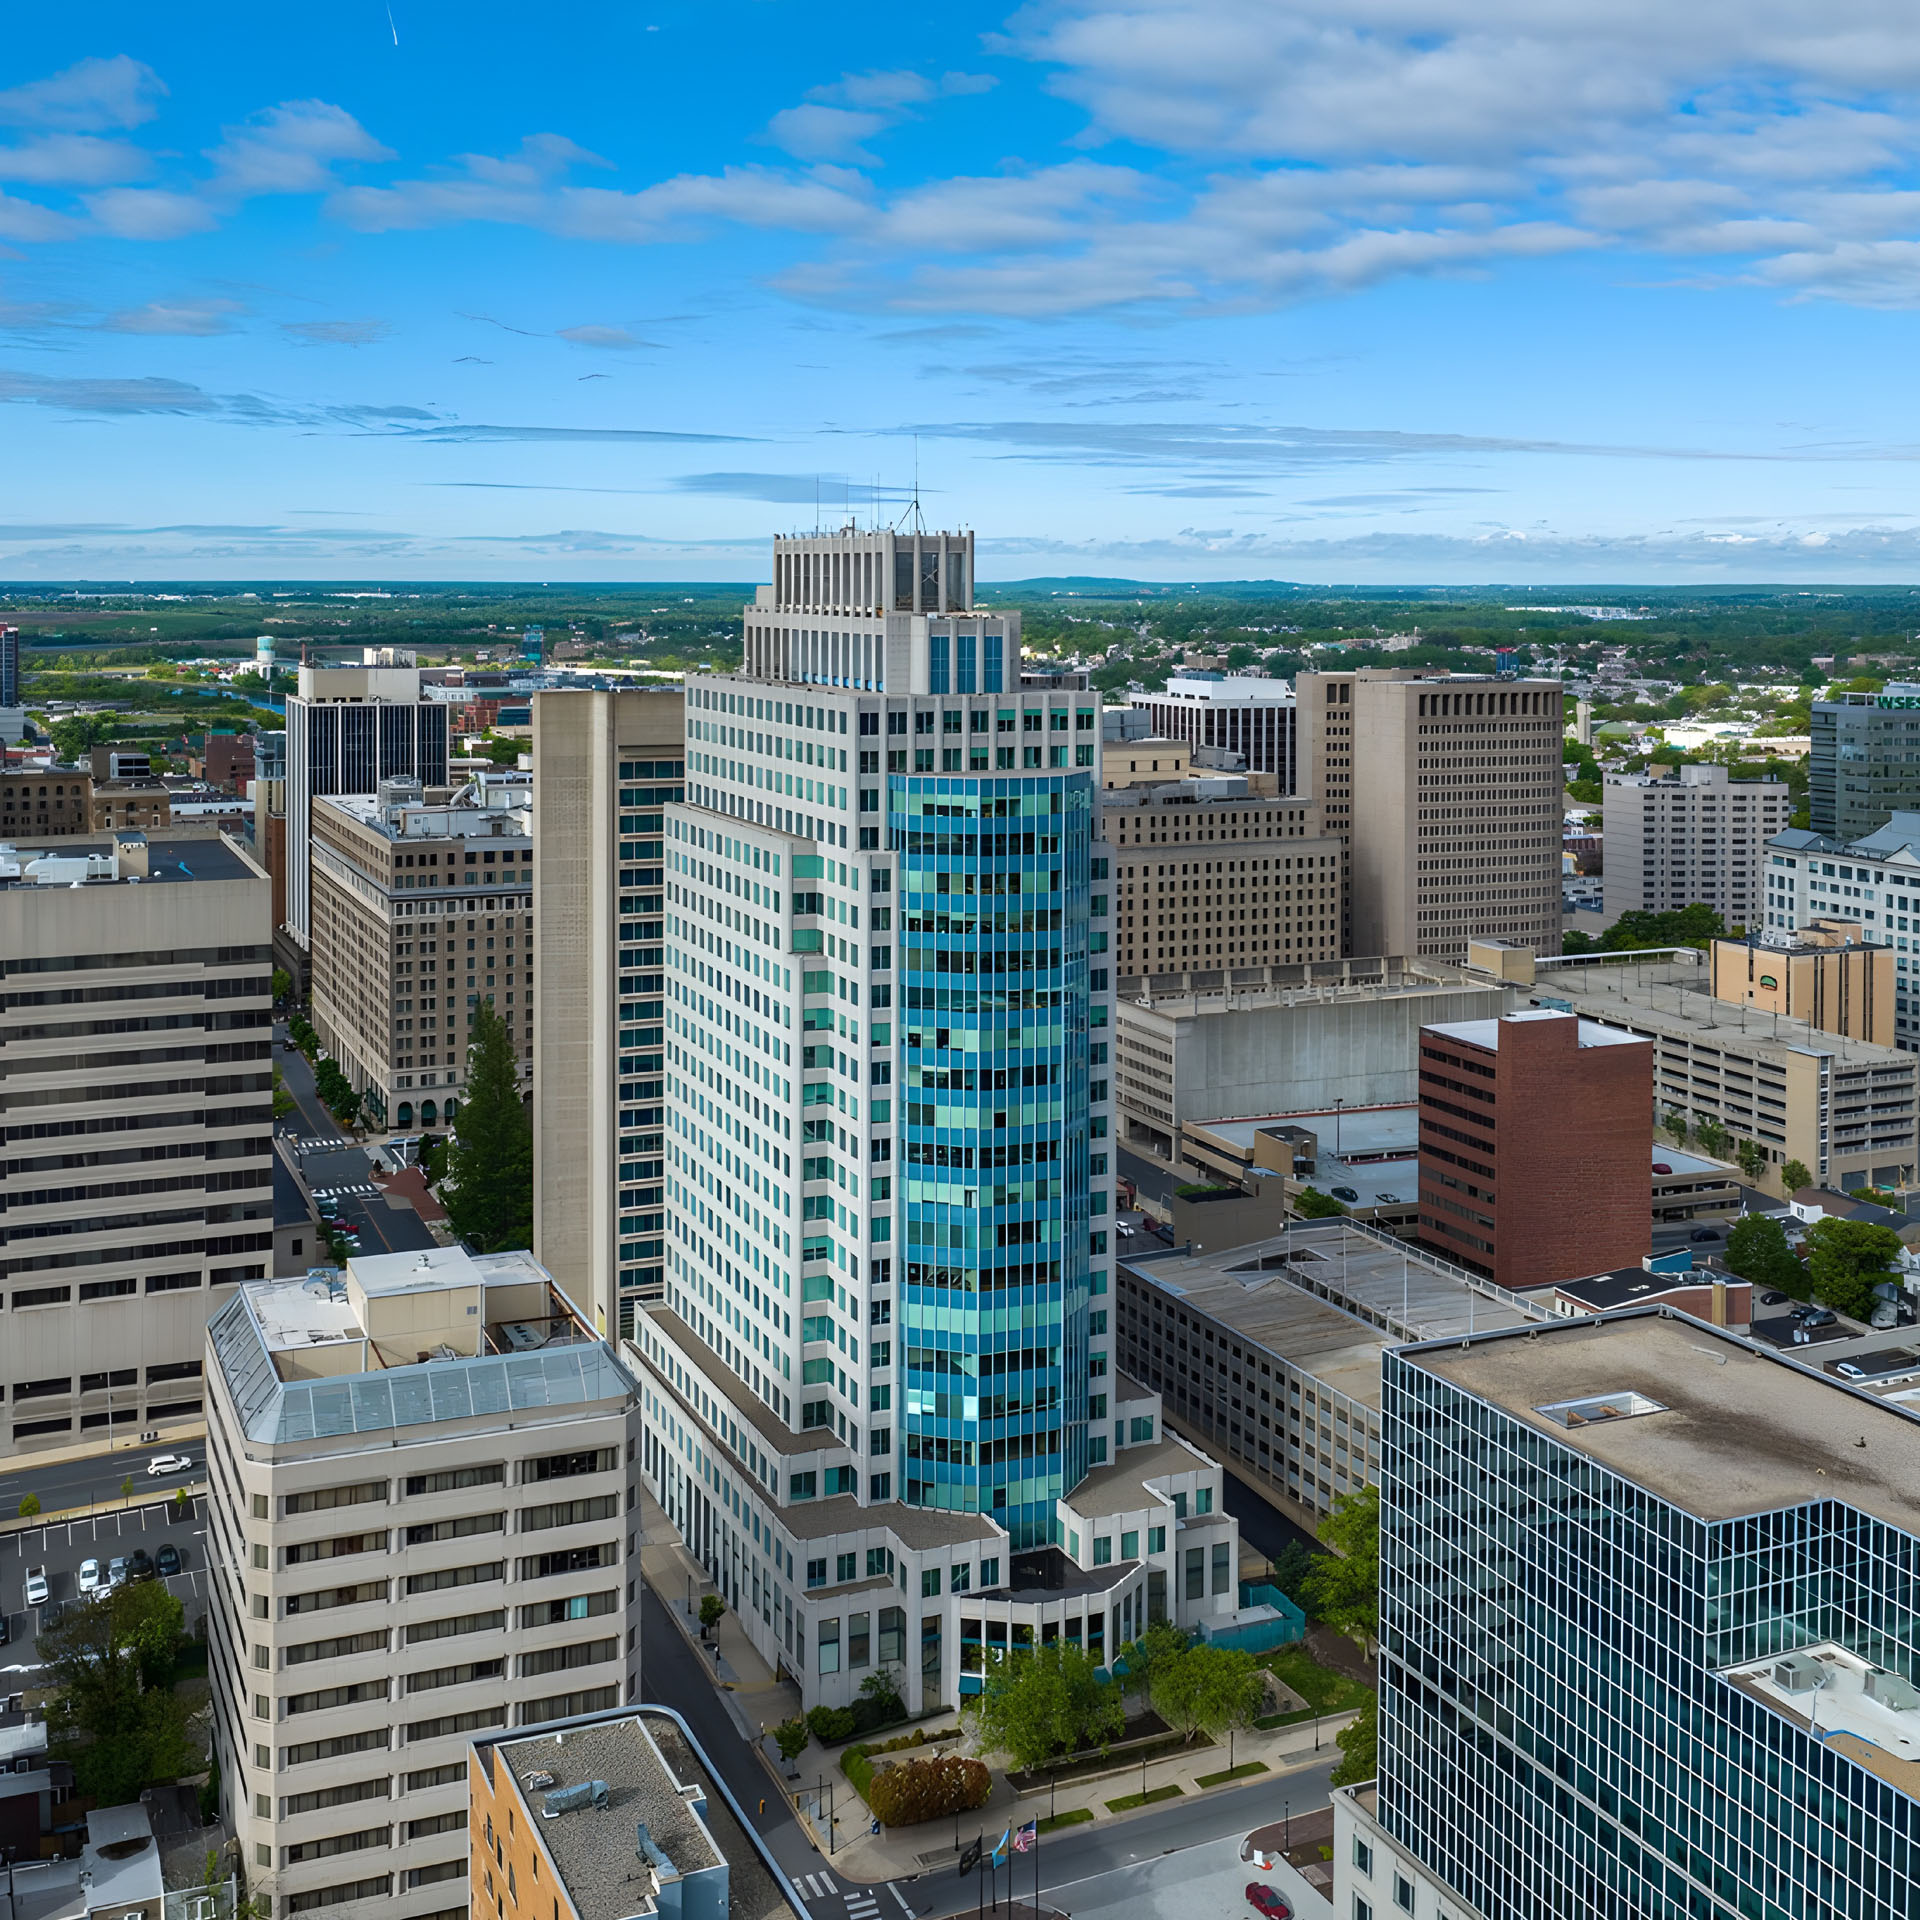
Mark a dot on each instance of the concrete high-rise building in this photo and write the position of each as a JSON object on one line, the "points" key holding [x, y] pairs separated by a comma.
{"points": [[422, 913], [884, 1400], [606, 766], [1613, 1545], [1864, 765], [1828, 974], [1241, 713], [418, 1510], [1696, 837], [1446, 789], [138, 1104], [1534, 1131], [1207, 874], [9, 666], [348, 729], [1872, 882]]}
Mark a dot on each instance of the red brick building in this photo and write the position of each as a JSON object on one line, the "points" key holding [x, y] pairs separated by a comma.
{"points": [[1534, 1133]]}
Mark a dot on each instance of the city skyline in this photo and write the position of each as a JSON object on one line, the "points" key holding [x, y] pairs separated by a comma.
{"points": [[1328, 292]]}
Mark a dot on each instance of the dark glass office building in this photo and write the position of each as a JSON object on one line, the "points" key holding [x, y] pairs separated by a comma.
{"points": [[1865, 764], [1650, 1630]]}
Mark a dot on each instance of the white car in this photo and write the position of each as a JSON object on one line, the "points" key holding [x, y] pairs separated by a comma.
{"points": [[168, 1463], [38, 1592], [89, 1577]]}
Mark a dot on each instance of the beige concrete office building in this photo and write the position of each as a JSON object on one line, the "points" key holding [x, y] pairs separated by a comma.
{"points": [[1829, 974], [418, 1519], [1223, 1044], [605, 765], [1845, 1109], [1207, 874], [138, 1108], [421, 914], [1446, 789], [1692, 836]]}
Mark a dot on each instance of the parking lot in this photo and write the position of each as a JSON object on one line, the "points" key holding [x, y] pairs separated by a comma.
{"points": [[60, 1549]]}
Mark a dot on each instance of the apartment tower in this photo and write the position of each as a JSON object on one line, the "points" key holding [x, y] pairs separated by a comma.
{"points": [[1695, 837], [418, 1517], [1446, 790], [606, 766], [138, 1104]]}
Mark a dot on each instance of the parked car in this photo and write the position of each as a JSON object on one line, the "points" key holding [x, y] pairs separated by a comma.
{"points": [[1661, 1166], [38, 1592], [1849, 1370], [1349, 1195], [89, 1576], [167, 1561], [1814, 1316], [1775, 1298], [116, 1572], [168, 1463], [1265, 1901], [140, 1565], [1704, 1233]]}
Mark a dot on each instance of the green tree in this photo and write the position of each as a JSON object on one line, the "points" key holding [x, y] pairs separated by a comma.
{"points": [[76, 736], [1846, 1259], [282, 982], [1293, 1568], [1311, 1204], [1795, 1175], [1345, 1589], [1040, 1701], [712, 1611], [282, 1099], [29, 1506], [1359, 1744], [791, 1737], [881, 1691], [490, 1162], [1161, 1641], [113, 1714], [1710, 1133], [1752, 1157], [1694, 926], [1676, 1124], [1207, 1690], [1757, 1250]]}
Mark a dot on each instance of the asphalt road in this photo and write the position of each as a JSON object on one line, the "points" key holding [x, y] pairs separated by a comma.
{"points": [[672, 1676], [64, 1485], [60, 1549]]}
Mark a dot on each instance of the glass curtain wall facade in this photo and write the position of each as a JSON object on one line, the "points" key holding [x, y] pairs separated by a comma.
{"points": [[994, 881], [1558, 1739]]}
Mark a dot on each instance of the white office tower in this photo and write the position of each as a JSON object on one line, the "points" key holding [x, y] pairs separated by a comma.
{"points": [[882, 1403]]}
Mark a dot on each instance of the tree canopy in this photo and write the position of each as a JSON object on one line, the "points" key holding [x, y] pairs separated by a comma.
{"points": [[1359, 1744], [1344, 1590], [1757, 1250], [1846, 1259], [113, 1712], [489, 1200], [1040, 1701], [1205, 1689]]}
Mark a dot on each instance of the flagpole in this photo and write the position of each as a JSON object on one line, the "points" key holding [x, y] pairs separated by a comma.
{"points": [[1036, 1867]]}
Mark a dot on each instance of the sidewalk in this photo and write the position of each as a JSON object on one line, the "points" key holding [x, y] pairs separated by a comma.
{"points": [[755, 1697]]}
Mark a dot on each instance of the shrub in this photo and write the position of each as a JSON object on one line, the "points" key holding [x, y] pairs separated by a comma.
{"points": [[913, 1790], [831, 1724]]}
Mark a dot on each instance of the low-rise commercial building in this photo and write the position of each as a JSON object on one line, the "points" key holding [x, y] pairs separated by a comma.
{"points": [[1827, 974], [1843, 1108], [1695, 836], [419, 1506], [422, 912], [1534, 1133], [678, 1847], [1255, 718], [135, 1009], [38, 803], [1269, 1354], [1233, 1041]]}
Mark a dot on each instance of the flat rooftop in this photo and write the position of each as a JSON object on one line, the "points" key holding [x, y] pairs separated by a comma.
{"points": [[1328, 1298], [1669, 998], [1732, 1428], [1300, 983], [170, 862], [1486, 1033], [1364, 1132]]}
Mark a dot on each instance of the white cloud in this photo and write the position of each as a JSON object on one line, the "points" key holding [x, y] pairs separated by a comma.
{"points": [[817, 132], [833, 120], [73, 160], [336, 333], [615, 339], [291, 148], [186, 318], [148, 213], [120, 92]]}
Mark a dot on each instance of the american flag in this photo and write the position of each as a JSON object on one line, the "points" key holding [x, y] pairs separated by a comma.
{"points": [[1027, 1837]]}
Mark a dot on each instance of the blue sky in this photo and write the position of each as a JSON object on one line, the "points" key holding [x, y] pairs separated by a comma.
{"points": [[1329, 290]]}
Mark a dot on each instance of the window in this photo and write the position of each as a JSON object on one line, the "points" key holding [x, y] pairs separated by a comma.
{"points": [[562, 1466], [930, 1584], [1130, 1546], [828, 1641], [817, 1573], [1362, 1855], [859, 1640], [322, 1498], [1362, 1909], [1403, 1893], [454, 1478], [1103, 1550], [959, 1578], [1156, 1539], [989, 1573]]}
